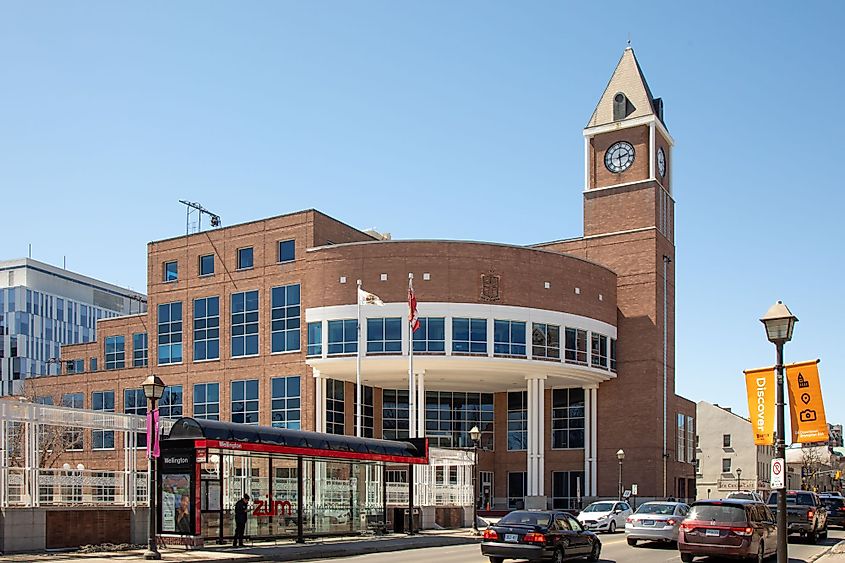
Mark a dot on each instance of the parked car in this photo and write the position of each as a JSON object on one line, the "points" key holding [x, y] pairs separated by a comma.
{"points": [[835, 509], [655, 521], [746, 495], [728, 528], [539, 534], [605, 515], [805, 514]]}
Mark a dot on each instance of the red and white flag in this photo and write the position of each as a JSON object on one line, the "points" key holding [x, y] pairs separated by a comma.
{"points": [[413, 315]]}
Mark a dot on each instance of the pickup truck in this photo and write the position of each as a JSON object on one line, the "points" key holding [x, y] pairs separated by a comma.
{"points": [[805, 514]]}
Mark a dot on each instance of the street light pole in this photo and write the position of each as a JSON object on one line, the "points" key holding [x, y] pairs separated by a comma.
{"points": [[475, 436], [620, 455], [779, 322], [153, 389], [738, 475]]}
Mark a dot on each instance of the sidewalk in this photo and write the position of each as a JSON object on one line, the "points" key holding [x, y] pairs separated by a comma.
{"points": [[835, 554], [268, 551]]}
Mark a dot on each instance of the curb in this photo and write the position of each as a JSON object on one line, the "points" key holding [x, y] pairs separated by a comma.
{"points": [[827, 551]]}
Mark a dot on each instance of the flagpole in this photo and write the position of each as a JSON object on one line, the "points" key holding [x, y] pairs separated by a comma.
{"points": [[358, 367], [412, 418]]}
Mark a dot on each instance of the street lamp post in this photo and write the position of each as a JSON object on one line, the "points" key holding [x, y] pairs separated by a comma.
{"points": [[153, 389], [475, 436], [738, 475], [779, 322], [620, 455]]}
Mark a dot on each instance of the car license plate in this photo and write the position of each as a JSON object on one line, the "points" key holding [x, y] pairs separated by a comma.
{"points": [[648, 522], [511, 537], [712, 533]]}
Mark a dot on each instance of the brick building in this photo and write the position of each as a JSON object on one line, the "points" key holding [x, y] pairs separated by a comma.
{"points": [[561, 352]]}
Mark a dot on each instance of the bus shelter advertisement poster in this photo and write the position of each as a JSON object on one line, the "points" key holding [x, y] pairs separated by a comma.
{"points": [[176, 503]]}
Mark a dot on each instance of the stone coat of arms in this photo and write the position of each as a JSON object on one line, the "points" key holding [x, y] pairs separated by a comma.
{"points": [[490, 287]]}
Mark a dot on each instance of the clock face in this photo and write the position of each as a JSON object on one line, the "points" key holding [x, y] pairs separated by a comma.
{"points": [[661, 162], [619, 157]]}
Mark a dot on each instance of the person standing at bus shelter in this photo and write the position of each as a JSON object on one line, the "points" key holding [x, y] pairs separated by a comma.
{"points": [[241, 516]]}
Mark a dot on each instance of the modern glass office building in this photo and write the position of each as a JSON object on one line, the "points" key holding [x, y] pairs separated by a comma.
{"points": [[43, 307]]}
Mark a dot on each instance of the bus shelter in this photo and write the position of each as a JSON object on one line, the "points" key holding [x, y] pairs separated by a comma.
{"points": [[301, 484]]}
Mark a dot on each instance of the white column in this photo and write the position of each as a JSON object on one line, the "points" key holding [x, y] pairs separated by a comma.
{"points": [[588, 443], [536, 441], [586, 163], [529, 469], [541, 437], [593, 437], [651, 152], [421, 404], [319, 402]]}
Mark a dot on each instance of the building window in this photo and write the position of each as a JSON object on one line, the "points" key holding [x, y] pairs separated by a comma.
{"points": [[599, 350], [92, 364], [690, 434], [287, 251], [469, 336], [567, 489], [170, 404], [343, 337], [545, 342], [73, 437], [245, 401], [171, 271], [367, 414], [207, 401], [384, 336], [726, 440], [102, 401], [726, 465], [207, 265], [613, 355], [206, 328], [568, 418], [115, 352], [680, 433], [396, 475], [245, 258], [315, 338], [73, 366], [449, 416], [285, 318], [697, 466], [245, 324], [430, 338], [135, 402], [170, 333], [394, 414], [576, 346], [517, 420], [140, 347], [517, 484], [509, 338], [335, 414], [285, 405]]}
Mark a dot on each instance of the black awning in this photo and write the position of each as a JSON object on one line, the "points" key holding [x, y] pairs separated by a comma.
{"points": [[280, 439]]}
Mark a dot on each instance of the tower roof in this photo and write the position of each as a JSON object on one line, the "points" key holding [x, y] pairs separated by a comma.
{"points": [[627, 78]]}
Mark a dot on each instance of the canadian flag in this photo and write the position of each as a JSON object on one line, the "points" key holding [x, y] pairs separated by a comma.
{"points": [[413, 315]]}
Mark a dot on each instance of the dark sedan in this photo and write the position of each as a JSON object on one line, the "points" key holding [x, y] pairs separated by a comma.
{"points": [[537, 535], [835, 509]]}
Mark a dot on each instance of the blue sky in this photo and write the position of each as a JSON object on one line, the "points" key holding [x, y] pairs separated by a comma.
{"points": [[439, 119]]}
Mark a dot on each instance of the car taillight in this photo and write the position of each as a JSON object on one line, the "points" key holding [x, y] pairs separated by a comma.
{"points": [[629, 519], [810, 514], [742, 531], [534, 537], [686, 527], [671, 521], [490, 534]]}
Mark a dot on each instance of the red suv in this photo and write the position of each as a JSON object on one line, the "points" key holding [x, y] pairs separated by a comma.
{"points": [[728, 528]]}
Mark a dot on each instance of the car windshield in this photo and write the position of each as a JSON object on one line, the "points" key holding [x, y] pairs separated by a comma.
{"points": [[525, 518], [656, 508], [793, 497], [717, 512], [599, 507], [746, 496], [833, 502]]}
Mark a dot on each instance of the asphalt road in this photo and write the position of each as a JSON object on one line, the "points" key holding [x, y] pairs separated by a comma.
{"points": [[614, 548]]}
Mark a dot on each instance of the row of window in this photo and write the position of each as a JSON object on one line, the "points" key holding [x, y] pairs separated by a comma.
{"points": [[244, 259], [567, 489], [469, 336]]}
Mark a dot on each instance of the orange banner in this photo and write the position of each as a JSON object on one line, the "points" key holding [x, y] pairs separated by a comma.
{"points": [[806, 407], [760, 384]]}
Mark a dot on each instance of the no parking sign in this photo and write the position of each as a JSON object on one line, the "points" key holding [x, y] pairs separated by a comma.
{"points": [[777, 477]]}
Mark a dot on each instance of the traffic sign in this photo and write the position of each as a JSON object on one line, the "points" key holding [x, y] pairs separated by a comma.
{"points": [[634, 489], [778, 476]]}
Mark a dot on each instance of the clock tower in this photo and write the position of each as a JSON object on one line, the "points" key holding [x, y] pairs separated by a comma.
{"points": [[629, 227]]}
